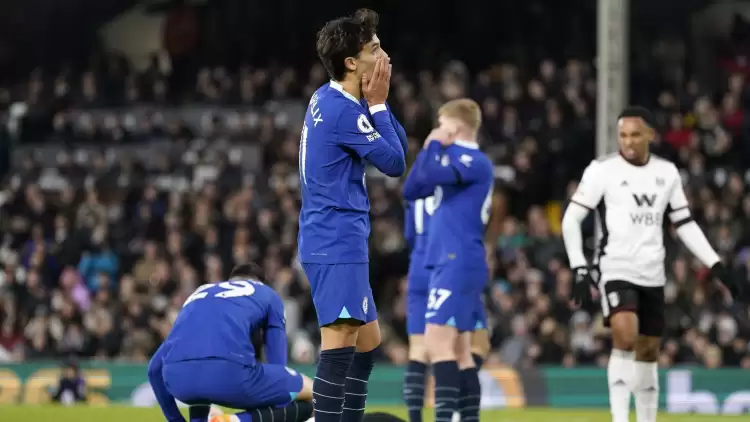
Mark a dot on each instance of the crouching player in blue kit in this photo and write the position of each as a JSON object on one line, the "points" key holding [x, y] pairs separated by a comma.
{"points": [[462, 180], [208, 357], [347, 126]]}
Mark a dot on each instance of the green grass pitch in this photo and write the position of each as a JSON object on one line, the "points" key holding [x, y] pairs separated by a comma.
{"points": [[50, 413]]}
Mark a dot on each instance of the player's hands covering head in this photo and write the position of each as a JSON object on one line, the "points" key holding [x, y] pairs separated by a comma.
{"points": [[580, 294], [442, 134], [375, 87]]}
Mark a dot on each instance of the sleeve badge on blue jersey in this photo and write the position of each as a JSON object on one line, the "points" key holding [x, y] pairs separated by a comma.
{"points": [[364, 125]]}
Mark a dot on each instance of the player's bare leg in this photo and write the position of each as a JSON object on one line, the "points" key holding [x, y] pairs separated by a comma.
{"points": [[480, 346], [646, 379], [624, 326], [355, 397], [441, 342], [414, 377]]}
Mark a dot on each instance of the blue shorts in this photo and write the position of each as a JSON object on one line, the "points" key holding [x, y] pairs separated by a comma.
{"points": [[230, 384], [455, 297], [416, 301], [341, 291]]}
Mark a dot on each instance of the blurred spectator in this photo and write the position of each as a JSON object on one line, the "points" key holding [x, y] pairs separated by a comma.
{"points": [[128, 189]]}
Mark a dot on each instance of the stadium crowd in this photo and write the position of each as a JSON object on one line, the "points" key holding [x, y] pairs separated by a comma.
{"points": [[125, 195]]}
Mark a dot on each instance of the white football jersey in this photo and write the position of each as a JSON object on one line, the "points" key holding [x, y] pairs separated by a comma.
{"points": [[632, 202]]}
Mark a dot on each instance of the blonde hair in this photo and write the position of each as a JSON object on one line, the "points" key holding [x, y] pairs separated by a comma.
{"points": [[465, 110]]}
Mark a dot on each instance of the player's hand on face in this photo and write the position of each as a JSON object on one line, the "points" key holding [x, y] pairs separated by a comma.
{"points": [[375, 86], [441, 134], [580, 294]]}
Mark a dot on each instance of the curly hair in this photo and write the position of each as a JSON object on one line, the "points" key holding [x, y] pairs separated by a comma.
{"points": [[345, 37]]}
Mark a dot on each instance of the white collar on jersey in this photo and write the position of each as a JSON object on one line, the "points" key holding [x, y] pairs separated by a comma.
{"points": [[466, 144], [337, 86]]}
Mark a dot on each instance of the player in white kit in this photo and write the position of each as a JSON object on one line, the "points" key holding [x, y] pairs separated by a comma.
{"points": [[633, 191]]}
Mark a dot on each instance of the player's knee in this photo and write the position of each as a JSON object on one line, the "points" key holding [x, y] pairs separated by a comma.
{"points": [[342, 333], [480, 343], [624, 330], [440, 342], [417, 349], [369, 337], [647, 349]]}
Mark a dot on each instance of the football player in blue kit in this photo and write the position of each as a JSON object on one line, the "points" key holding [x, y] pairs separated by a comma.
{"points": [[461, 178], [347, 127], [416, 223], [208, 357]]}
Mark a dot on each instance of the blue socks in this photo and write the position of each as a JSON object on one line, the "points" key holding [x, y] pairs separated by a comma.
{"points": [[447, 389], [414, 379], [328, 386], [296, 411], [356, 387], [199, 413], [471, 395]]}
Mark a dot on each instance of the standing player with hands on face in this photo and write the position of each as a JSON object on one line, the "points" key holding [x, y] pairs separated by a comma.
{"points": [[633, 190], [347, 126], [461, 177]]}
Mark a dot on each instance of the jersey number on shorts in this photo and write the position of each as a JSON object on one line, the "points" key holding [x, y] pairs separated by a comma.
{"points": [[437, 298], [230, 289]]}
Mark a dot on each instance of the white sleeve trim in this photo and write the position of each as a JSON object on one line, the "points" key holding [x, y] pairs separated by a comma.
{"points": [[679, 214], [571, 232], [378, 107], [692, 236]]}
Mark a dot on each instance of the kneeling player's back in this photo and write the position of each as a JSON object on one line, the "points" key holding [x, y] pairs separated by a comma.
{"points": [[217, 321]]}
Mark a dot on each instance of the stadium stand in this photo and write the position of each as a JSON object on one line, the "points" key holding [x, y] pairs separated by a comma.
{"points": [[125, 189]]}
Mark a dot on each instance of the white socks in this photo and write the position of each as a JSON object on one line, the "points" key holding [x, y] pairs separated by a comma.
{"points": [[646, 390], [620, 377]]}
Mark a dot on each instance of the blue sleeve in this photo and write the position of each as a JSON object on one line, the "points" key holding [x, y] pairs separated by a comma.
{"points": [[416, 186], [436, 169], [410, 234], [400, 131], [166, 401], [276, 342], [379, 145]]}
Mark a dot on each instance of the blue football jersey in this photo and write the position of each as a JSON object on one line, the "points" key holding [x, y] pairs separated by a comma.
{"points": [[340, 136], [218, 320], [461, 177], [416, 230]]}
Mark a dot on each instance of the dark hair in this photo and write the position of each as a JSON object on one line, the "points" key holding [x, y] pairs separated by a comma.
{"points": [[251, 270], [638, 111], [345, 37]]}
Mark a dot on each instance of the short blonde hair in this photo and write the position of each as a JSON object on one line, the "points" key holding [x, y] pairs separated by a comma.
{"points": [[466, 110]]}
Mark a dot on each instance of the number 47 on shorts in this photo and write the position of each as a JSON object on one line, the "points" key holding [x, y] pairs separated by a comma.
{"points": [[437, 298]]}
